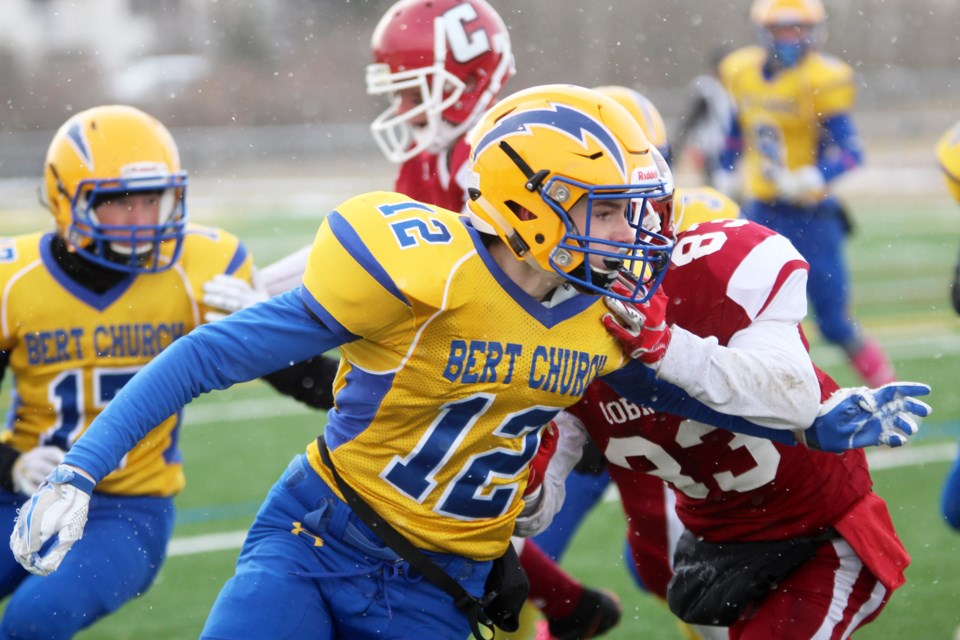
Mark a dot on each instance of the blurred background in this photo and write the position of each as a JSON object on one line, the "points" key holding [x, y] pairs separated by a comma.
{"points": [[266, 99], [265, 80]]}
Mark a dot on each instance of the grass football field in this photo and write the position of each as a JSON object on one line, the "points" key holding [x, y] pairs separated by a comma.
{"points": [[237, 442]]}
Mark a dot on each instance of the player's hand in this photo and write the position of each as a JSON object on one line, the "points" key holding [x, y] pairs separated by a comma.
{"points": [[642, 329], [58, 508], [858, 417], [801, 186], [541, 459], [31, 467], [226, 294]]}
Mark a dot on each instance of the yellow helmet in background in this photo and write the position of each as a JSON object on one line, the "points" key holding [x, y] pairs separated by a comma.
{"points": [[111, 150], [948, 155], [703, 204], [774, 13], [538, 152], [645, 113], [788, 29]]}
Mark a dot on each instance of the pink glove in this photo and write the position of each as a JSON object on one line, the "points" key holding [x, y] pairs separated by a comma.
{"points": [[641, 328]]}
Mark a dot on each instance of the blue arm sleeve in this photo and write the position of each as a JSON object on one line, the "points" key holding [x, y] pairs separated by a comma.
{"points": [[248, 344], [840, 148], [638, 383], [733, 147]]}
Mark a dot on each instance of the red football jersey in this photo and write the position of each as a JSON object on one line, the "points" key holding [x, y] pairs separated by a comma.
{"points": [[728, 486], [438, 179]]}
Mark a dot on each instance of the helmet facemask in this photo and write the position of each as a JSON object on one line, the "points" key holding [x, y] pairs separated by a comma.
{"points": [[133, 248], [646, 255], [789, 52]]}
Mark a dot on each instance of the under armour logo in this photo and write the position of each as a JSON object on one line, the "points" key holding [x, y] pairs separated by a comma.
{"points": [[298, 529]]}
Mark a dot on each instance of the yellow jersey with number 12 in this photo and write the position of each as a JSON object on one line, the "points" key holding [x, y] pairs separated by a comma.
{"points": [[71, 350], [442, 396]]}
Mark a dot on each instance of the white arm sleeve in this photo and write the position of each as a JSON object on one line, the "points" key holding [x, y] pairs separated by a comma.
{"points": [[540, 507], [286, 273], [764, 374]]}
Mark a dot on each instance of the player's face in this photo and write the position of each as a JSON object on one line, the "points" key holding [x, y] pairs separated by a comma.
{"points": [[128, 209], [411, 99], [790, 34], [608, 221]]}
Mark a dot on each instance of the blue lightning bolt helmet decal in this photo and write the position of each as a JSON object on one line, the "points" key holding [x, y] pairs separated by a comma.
{"points": [[571, 122], [79, 143]]}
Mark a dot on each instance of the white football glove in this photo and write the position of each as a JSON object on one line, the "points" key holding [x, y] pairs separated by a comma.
{"points": [[801, 186], [226, 294], [58, 508], [32, 467], [543, 504]]}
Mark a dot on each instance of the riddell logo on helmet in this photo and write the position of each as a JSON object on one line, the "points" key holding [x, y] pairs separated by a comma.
{"points": [[647, 173]]}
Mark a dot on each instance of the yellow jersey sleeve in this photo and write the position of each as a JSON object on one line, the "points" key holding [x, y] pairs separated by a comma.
{"points": [[372, 270], [833, 87]]}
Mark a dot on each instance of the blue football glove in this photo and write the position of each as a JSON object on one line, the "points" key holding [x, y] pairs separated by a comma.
{"points": [[858, 417], [58, 508]]}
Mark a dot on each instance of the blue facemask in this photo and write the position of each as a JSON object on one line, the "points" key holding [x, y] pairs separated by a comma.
{"points": [[788, 53]]}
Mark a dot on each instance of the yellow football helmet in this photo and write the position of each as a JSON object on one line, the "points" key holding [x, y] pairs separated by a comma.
{"points": [[948, 154], [775, 13], [111, 150], [537, 153], [703, 204], [643, 112], [788, 28]]}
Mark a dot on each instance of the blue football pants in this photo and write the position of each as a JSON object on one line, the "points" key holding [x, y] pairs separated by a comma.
{"points": [[310, 569], [818, 233]]}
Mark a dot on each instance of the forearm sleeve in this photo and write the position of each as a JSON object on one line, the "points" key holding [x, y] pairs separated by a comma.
{"points": [[638, 383], [765, 375], [840, 147]]}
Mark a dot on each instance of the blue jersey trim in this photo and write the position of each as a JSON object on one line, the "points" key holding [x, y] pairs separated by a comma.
{"points": [[351, 241], [99, 301], [548, 317], [324, 316], [839, 149], [358, 402], [237, 260]]}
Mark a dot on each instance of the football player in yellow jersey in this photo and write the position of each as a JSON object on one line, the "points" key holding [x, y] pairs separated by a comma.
{"points": [[948, 157], [794, 131], [461, 337], [83, 308]]}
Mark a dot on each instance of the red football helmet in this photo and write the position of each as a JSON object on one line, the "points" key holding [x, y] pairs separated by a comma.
{"points": [[442, 62]]}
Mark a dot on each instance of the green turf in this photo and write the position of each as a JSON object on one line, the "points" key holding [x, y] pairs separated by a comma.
{"points": [[901, 260]]}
